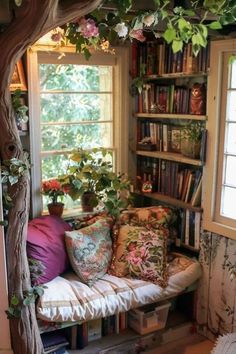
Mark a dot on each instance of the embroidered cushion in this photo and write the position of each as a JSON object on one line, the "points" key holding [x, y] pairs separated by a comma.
{"points": [[46, 248], [153, 216], [140, 253], [90, 250]]}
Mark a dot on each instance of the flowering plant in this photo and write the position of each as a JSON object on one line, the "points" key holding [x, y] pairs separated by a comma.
{"points": [[177, 25], [53, 189]]}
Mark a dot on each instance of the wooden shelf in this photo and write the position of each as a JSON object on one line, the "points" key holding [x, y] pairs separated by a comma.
{"points": [[175, 76], [171, 156], [169, 200], [171, 116]]}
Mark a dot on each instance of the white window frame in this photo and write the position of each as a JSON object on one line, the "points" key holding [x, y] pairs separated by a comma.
{"points": [[121, 110], [213, 170]]}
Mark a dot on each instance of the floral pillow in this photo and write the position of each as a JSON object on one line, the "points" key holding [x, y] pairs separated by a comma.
{"points": [[90, 250], [153, 216], [140, 253]]}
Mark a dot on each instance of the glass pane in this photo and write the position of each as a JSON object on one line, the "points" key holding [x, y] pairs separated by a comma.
{"points": [[71, 77], [233, 75], [230, 138], [53, 166], [71, 136], [75, 107], [230, 172], [228, 202], [231, 106]]}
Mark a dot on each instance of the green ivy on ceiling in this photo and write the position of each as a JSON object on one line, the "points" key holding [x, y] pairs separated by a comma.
{"points": [[182, 24]]}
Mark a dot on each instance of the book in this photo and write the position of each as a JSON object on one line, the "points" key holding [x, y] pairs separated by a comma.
{"points": [[197, 230], [82, 335], [186, 238], [196, 198], [175, 135]]}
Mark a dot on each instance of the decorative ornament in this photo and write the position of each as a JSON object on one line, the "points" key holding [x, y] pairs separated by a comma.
{"points": [[18, 2]]}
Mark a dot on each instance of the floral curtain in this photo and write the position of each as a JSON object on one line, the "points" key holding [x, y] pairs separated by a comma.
{"points": [[217, 293]]}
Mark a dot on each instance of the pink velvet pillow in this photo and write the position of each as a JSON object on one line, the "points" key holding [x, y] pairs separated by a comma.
{"points": [[46, 246]]}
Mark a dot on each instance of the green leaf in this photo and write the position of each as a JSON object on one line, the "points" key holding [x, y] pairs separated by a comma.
{"points": [[164, 14], [177, 45], [215, 25], [189, 13], [169, 35], [199, 40], [203, 30], [86, 53], [14, 300], [183, 24], [232, 59]]}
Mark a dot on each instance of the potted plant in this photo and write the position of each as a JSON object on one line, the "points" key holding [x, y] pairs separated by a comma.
{"points": [[90, 177], [54, 189], [191, 136]]}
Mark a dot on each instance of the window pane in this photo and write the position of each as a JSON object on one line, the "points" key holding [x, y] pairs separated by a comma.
{"points": [[233, 77], [231, 106], [230, 138], [75, 77], [71, 136], [228, 202], [53, 166], [230, 173], [75, 107]]}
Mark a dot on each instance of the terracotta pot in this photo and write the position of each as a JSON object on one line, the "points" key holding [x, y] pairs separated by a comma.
{"points": [[56, 209], [190, 149], [87, 201]]}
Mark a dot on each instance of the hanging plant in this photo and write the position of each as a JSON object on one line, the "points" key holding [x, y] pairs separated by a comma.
{"points": [[102, 28]]}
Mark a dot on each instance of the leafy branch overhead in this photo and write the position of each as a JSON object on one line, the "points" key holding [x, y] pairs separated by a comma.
{"points": [[179, 25]]}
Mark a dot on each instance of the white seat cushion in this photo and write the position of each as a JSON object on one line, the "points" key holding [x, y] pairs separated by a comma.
{"points": [[67, 299]]}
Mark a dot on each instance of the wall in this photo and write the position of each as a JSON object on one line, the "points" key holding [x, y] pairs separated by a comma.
{"points": [[217, 294]]}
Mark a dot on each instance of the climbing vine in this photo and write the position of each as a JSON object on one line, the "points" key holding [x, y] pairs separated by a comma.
{"points": [[190, 22]]}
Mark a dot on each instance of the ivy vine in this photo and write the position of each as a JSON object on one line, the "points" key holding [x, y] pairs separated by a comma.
{"points": [[189, 22]]}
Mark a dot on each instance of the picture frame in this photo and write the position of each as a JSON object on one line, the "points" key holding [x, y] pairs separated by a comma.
{"points": [[18, 78]]}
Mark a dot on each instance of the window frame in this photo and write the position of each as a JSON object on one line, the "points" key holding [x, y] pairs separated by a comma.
{"points": [[213, 170], [120, 62]]}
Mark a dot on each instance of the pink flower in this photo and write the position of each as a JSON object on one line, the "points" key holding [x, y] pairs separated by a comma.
{"points": [[138, 256], [88, 28], [132, 246], [137, 34], [56, 37]]}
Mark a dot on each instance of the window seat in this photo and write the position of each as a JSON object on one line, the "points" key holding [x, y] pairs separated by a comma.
{"points": [[66, 299]]}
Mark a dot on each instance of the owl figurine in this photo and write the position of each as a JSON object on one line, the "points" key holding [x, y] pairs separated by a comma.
{"points": [[198, 99]]}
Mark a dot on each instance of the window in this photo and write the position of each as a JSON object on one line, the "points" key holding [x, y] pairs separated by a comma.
{"points": [[75, 103], [220, 172]]}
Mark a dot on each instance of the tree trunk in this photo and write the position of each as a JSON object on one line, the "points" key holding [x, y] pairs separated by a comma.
{"points": [[32, 20]]}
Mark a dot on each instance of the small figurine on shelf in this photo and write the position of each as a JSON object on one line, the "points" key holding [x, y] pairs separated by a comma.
{"points": [[198, 99], [20, 110], [146, 144]]}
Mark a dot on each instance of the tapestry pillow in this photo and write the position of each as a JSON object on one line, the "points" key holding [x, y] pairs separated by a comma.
{"points": [[46, 247], [140, 253], [90, 250], [153, 216]]}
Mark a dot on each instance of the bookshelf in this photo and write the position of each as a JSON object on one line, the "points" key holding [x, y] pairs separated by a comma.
{"points": [[165, 173], [171, 116]]}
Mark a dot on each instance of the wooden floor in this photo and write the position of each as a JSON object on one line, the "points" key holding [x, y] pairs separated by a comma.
{"points": [[189, 345], [194, 344]]}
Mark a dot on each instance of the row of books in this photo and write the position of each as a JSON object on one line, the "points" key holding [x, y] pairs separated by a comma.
{"points": [[82, 334], [164, 137], [158, 58], [189, 229], [54, 342], [156, 98], [171, 178]]}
